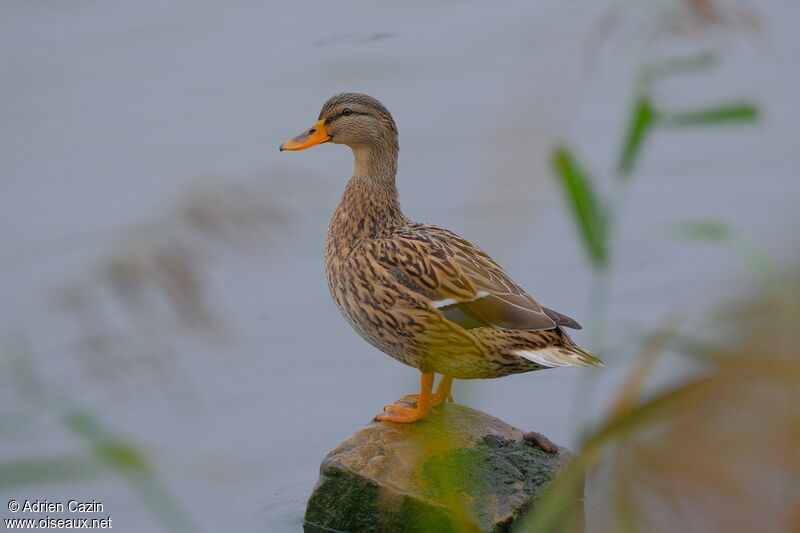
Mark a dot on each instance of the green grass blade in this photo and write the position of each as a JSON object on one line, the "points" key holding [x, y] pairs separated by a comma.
{"points": [[585, 208], [643, 117], [721, 114]]}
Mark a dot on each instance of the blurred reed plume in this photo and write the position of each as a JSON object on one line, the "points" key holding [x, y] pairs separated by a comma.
{"points": [[696, 15], [158, 280], [679, 19], [123, 320], [122, 316]]}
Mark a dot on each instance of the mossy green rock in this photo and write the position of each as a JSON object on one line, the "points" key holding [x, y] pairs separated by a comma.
{"points": [[459, 470]]}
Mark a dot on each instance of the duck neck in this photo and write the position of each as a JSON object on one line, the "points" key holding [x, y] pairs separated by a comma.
{"points": [[370, 206], [376, 163]]}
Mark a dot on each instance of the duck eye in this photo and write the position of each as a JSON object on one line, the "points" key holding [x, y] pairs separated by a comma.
{"points": [[347, 112]]}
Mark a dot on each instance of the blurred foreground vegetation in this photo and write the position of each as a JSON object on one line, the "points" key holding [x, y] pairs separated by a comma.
{"points": [[716, 452]]}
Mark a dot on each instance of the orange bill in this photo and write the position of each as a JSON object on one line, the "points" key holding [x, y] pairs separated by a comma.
{"points": [[316, 134]]}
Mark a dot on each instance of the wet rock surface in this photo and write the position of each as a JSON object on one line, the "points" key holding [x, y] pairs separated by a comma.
{"points": [[459, 470]]}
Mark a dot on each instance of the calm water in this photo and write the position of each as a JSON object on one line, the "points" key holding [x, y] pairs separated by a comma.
{"points": [[111, 112]]}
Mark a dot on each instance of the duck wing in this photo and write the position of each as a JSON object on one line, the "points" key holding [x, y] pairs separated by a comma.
{"points": [[462, 281]]}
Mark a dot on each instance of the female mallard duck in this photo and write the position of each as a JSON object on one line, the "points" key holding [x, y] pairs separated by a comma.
{"points": [[420, 293]]}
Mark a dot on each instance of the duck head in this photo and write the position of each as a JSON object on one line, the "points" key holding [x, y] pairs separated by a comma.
{"points": [[357, 120]]}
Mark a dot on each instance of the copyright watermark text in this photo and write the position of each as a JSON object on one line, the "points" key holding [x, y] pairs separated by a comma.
{"points": [[75, 519]]}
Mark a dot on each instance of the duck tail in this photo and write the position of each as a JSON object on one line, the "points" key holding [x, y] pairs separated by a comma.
{"points": [[563, 352], [585, 357]]}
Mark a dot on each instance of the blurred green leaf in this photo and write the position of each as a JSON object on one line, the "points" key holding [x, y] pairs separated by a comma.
{"points": [[66, 468], [107, 447], [122, 456], [643, 117], [735, 112], [585, 208]]}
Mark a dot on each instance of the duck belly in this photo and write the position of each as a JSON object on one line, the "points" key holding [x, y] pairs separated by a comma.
{"points": [[405, 327], [431, 344]]}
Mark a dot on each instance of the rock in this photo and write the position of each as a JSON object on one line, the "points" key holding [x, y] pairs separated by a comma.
{"points": [[459, 470]]}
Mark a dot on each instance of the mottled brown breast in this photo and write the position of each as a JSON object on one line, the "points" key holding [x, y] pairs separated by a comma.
{"points": [[395, 319]]}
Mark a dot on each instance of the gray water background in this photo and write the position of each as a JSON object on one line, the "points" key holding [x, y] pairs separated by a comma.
{"points": [[111, 112]]}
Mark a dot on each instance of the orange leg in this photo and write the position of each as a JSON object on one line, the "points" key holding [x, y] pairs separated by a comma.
{"points": [[403, 414], [441, 395], [443, 391]]}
